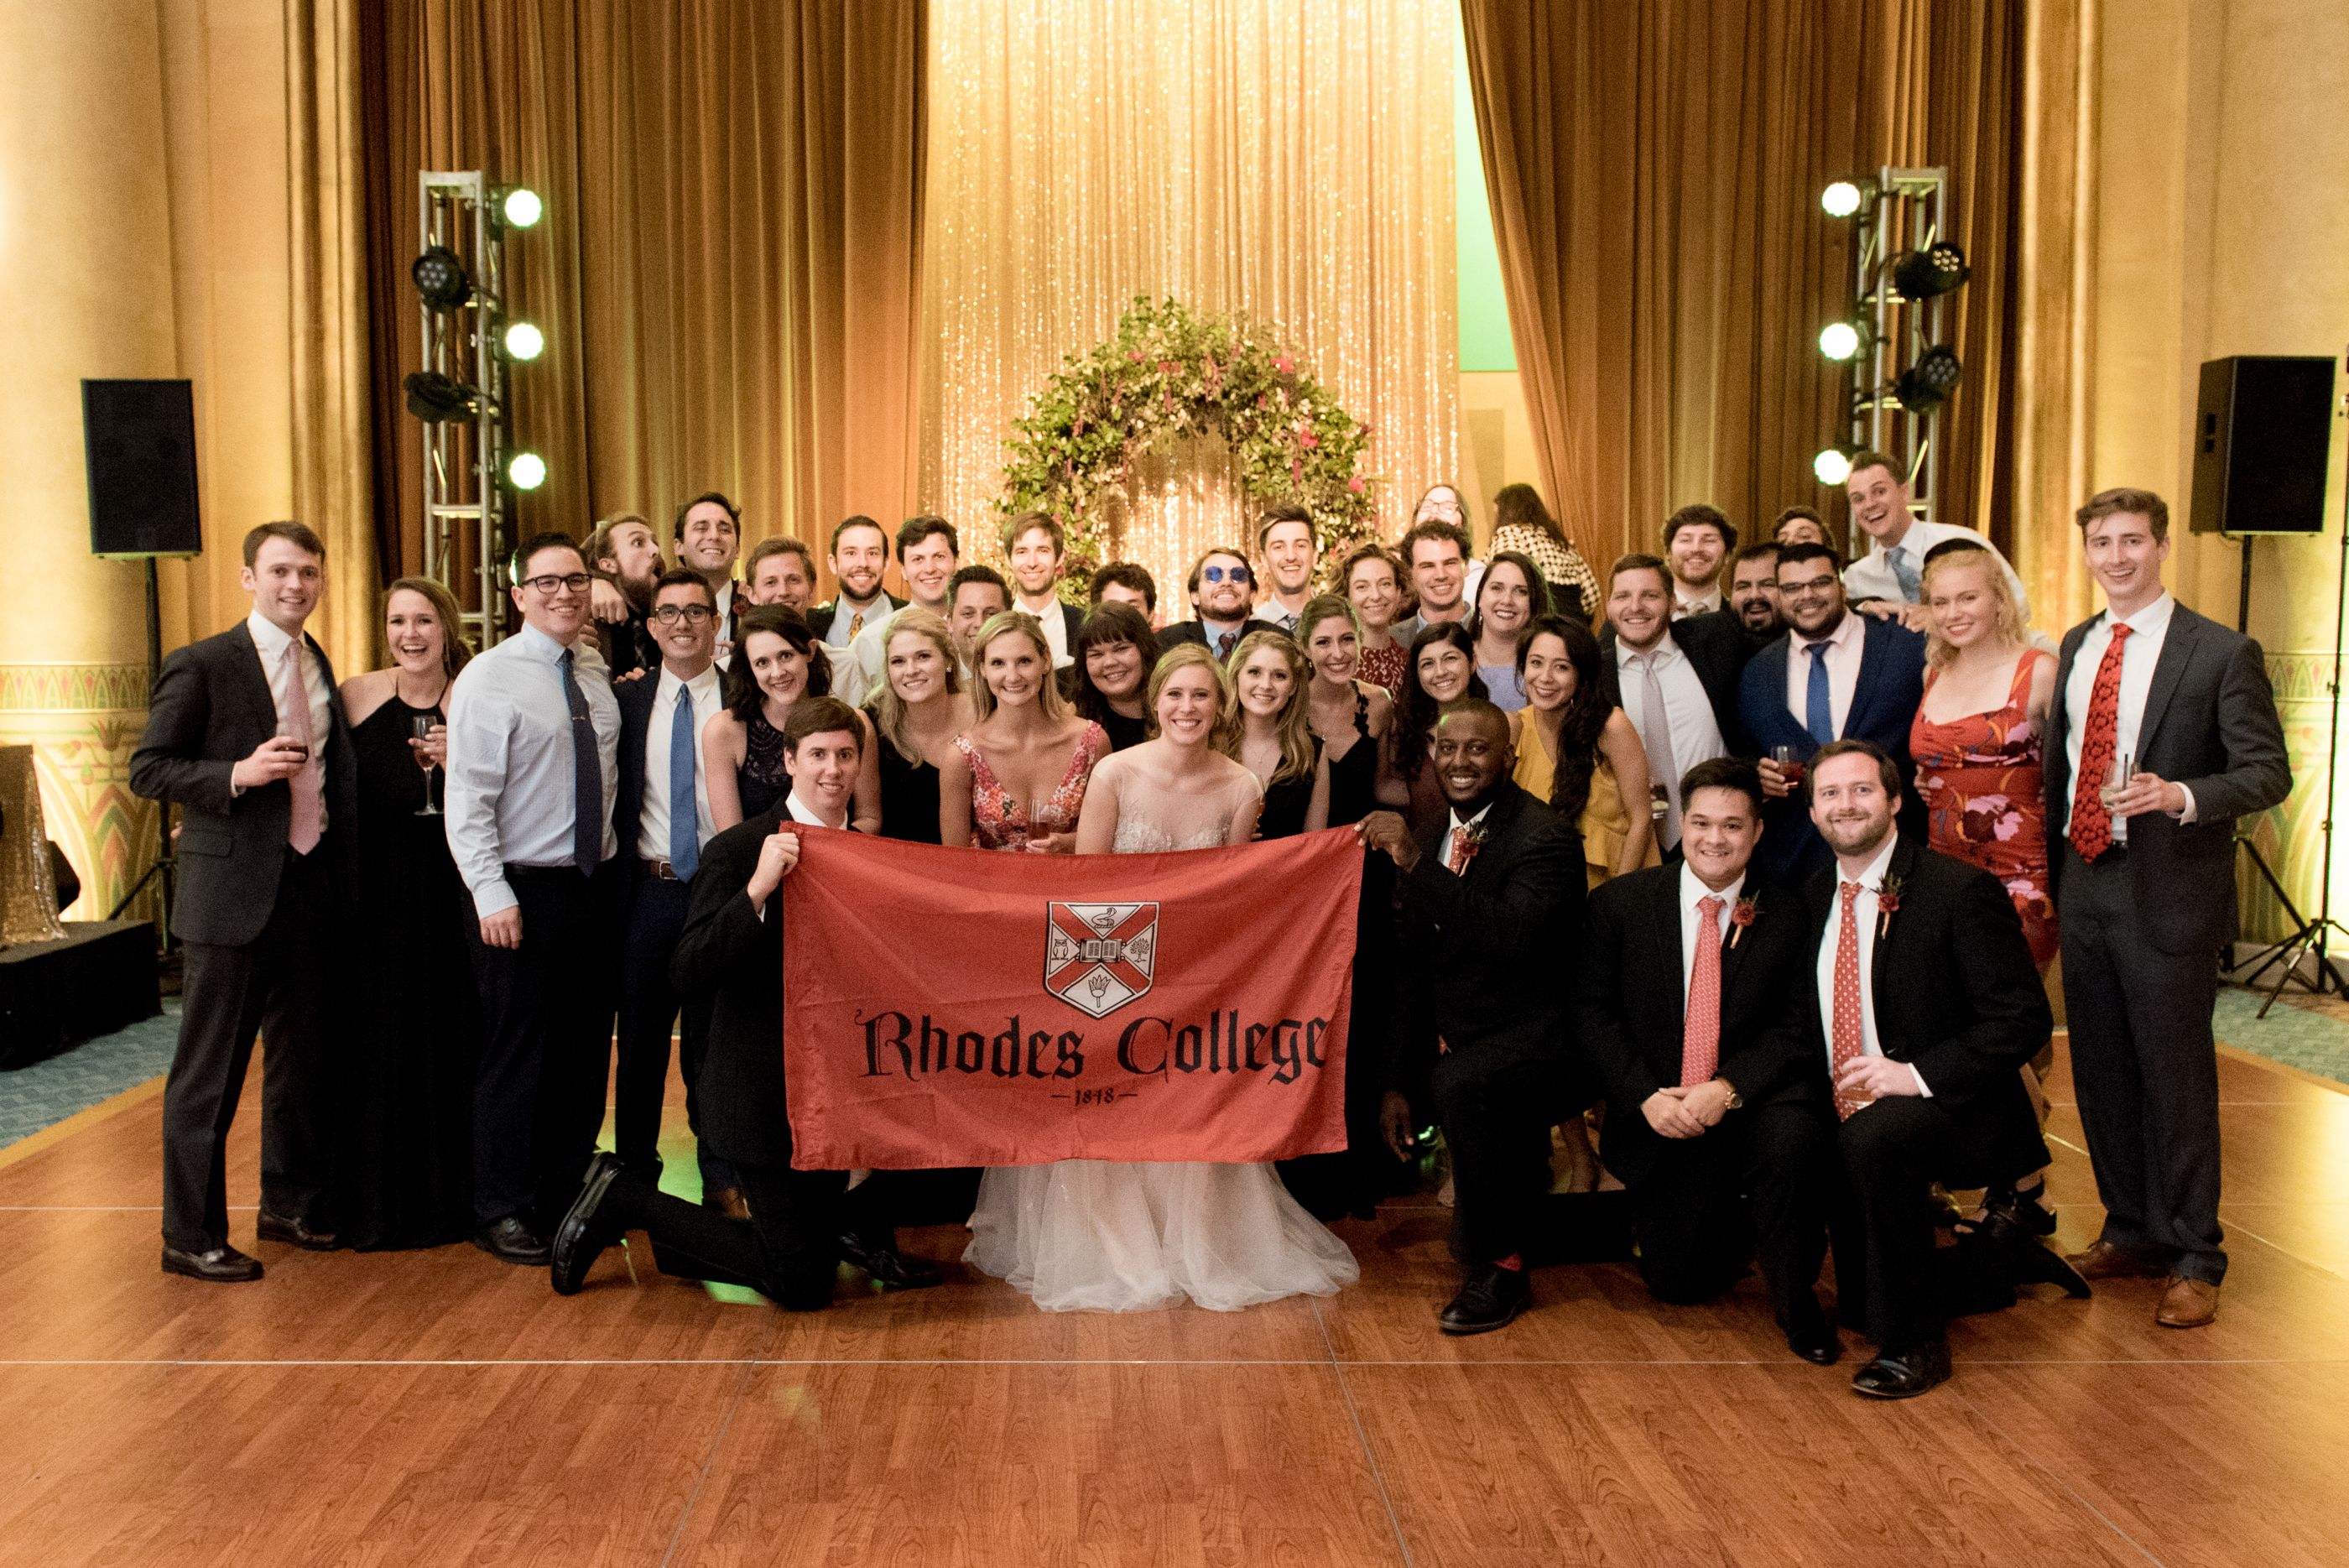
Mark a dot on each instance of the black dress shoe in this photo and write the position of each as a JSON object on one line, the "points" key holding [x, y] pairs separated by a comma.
{"points": [[295, 1233], [2007, 1209], [2035, 1263], [580, 1237], [888, 1266], [1907, 1374], [1492, 1299], [222, 1264], [511, 1242], [1815, 1340]]}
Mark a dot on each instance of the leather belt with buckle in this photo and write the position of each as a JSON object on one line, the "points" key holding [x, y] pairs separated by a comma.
{"points": [[660, 869]]}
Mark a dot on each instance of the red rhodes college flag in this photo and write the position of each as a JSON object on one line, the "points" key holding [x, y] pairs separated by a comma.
{"points": [[948, 1007]]}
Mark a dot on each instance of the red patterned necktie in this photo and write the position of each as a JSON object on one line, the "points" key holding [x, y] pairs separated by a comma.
{"points": [[1700, 1032], [304, 826], [1458, 860], [2092, 824], [1849, 1043]]}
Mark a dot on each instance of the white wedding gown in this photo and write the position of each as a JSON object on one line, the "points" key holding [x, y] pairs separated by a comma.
{"points": [[1103, 1236]]}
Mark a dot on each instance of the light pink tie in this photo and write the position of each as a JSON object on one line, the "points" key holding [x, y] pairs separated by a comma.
{"points": [[303, 827], [1700, 1027]]}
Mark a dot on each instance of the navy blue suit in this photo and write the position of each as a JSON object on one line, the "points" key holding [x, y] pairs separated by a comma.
{"points": [[1883, 706]]}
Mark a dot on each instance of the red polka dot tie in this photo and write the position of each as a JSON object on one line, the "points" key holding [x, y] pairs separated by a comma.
{"points": [[2092, 824], [1700, 1032], [1849, 1044]]}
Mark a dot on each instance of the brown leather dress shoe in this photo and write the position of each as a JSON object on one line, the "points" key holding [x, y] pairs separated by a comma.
{"points": [[2103, 1260], [2188, 1303]]}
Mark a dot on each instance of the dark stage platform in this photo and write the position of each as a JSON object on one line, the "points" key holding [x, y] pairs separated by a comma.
{"points": [[98, 977]]}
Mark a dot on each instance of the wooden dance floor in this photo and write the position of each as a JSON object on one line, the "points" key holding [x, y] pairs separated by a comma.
{"points": [[441, 1408]]}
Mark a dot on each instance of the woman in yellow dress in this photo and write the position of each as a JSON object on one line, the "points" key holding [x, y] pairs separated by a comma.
{"points": [[1577, 752]]}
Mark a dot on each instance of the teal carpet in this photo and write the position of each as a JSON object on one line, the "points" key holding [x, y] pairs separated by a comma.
{"points": [[2295, 1036], [48, 1092]]}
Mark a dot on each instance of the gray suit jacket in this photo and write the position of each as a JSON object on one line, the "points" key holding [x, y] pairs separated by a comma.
{"points": [[2209, 724]]}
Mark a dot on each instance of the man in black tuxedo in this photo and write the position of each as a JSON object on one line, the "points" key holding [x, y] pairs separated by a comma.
{"points": [[661, 818], [1926, 1006], [1675, 681], [1222, 586], [1689, 999], [245, 735], [1490, 903], [1834, 675], [731, 958], [2146, 884]]}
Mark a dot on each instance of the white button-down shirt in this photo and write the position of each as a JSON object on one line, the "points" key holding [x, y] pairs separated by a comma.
{"points": [[1866, 914], [1684, 605], [1055, 625], [270, 641], [1696, 734], [1452, 834], [1846, 646], [706, 699], [1272, 612], [512, 776], [1872, 576], [801, 811], [1692, 892], [2149, 629]]}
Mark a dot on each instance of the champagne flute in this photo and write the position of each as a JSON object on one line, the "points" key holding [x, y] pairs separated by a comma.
{"points": [[420, 726]]}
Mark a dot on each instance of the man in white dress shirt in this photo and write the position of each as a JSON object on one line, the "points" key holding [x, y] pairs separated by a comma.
{"points": [[534, 752], [928, 554], [1697, 539], [1887, 582], [1285, 545], [1674, 695], [821, 752], [1037, 548], [709, 540], [860, 554]]}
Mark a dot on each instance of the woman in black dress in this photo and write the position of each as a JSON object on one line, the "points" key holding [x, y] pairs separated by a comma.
{"points": [[1272, 736], [775, 664], [916, 712], [415, 1027], [1349, 714], [1115, 653]]}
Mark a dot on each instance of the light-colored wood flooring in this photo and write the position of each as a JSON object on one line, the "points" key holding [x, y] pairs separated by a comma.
{"points": [[441, 1408]]}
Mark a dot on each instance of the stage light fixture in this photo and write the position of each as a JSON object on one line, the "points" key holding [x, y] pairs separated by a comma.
{"points": [[441, 278], [1938, 269], [1927, 384], [1839, 341], [1840, 200], [522, 207], [435, 398], [524, 341], [1833, 465], [525, 471]]}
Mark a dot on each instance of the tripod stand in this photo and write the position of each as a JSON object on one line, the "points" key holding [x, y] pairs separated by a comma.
{"points": [[160, 869]]}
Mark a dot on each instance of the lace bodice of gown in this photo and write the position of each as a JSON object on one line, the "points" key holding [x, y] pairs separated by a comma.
{"points": [[1153, 821]]}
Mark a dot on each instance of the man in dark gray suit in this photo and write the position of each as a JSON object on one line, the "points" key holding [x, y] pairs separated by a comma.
{"points": [[245, 733], [2163, 731]]}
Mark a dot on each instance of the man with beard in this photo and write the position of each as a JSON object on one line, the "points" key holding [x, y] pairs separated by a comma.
{"points": [[1285, 543], [1487, 900], [1696, 539], [1833, 676], [1221, 584], [860, 554], [1753, 593], [1927, 1008], [1888, 581], [928, 552], [625, 555], [1035, 545], [709, 540], [1675, 681]]}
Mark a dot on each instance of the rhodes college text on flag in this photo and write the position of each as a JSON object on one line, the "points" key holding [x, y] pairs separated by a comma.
{"points": [[947, 1007]]}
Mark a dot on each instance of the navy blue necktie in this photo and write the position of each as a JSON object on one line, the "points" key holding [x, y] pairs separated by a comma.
{"points": [[587, 777], [1819, 703], [683, 818]]}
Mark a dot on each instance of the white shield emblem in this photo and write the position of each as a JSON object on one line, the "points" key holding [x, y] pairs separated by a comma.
{"points": [[1098, 957]]}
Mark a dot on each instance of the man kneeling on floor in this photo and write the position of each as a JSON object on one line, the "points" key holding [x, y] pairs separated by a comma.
{"points": [[802, 1222]]}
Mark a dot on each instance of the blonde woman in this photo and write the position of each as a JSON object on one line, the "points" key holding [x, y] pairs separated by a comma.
{"points": [[1016, 779], [1272, 734], [916, 710], [1348, 711]]}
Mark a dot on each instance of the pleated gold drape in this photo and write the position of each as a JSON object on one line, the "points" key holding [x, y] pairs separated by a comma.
{"points": [[727, 270], [1655, 171], [1289, 159]]}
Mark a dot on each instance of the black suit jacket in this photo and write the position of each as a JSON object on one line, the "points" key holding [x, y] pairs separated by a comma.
{"points": [[733, 959], [1481, 951], [211, 709], [1631, 1005], [635, 699], [1957, 997], [1194, 630], [1717, 651], [1883, 707], [2210, 724]]}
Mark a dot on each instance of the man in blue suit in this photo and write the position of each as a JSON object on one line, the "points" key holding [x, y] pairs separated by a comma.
{"points": [[1834, 675]]}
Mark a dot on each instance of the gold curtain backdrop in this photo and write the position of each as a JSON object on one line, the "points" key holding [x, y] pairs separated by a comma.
{"points": [[1290, 159]]}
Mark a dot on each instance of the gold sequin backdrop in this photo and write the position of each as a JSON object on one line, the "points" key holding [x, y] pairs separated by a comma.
{"points": [[1289, 159]]}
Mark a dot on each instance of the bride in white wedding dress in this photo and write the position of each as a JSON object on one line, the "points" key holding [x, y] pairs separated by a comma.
{"points": [[1126, 1237]]}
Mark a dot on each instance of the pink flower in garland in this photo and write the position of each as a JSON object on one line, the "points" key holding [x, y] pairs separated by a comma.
{"points": [[1355, 484], [1285, 365]]}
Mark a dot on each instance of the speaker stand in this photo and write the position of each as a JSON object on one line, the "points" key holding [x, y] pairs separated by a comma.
{"points": [[159, 870]]}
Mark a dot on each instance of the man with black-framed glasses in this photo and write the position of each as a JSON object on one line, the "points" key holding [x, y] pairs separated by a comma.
{"points": [[1222, 589], [534, 748]]}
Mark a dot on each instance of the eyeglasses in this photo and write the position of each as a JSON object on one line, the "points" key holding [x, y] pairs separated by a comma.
{"points": [[670, 615], [1815, 586], [551, 583], [1227, 574]]}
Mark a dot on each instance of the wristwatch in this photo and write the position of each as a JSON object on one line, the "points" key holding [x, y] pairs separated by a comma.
{"points": [[1736, 1101]]}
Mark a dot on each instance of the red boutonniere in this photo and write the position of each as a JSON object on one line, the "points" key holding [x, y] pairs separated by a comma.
{"points": [[1888, 904], [1475, 834], [1741, 914]]}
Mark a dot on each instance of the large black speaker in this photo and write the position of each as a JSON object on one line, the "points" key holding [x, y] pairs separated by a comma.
{"points": [[2261, 430], [140, 441]]}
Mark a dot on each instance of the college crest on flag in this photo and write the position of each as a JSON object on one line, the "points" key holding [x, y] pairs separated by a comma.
{"points": [[1098, 957]]}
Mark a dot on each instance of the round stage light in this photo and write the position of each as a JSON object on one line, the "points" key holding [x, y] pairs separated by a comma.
{"points": [[1927, 385], [1840, 200], [522, 206], [524, 341], [1839, 341], [525, 471], [441, 278], [1938, 269], [1832, 466]]}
